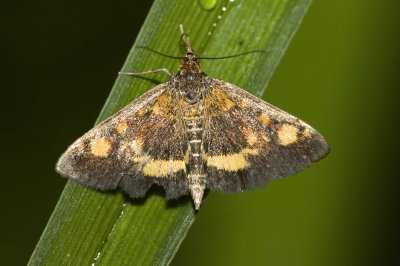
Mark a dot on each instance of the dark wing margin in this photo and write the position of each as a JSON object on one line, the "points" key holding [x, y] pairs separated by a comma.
{"points": [[251, 141], [136, 147]]}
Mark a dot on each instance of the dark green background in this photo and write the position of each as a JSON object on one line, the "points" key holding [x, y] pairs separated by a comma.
{"points": [[340, 74]]}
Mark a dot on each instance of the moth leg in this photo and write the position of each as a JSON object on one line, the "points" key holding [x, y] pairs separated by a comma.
{"points": [[146, 72]]}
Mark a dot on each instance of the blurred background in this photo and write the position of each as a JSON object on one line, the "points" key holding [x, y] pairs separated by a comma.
{"points": [[340, 74]]}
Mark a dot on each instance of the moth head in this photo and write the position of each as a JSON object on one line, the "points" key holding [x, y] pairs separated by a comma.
{"points": [[190, 62]]}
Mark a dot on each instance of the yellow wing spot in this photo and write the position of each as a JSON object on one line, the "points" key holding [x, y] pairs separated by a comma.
{"points": [[204, 154], [132, 150], [100, 147], [230, 162], [221, 100], [162, 105], [244, 104], [307, 133], [162, 168], [121, 127], [137, 145], [287, 134], [187, 155], [265, 137], [251, 137], [264, 119], [193, 111], [141, 112], [250, 151], [79, 146], [156, 109]]}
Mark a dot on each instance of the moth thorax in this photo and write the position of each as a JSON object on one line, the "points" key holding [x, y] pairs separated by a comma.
{"points": [[190, 86], [192, 95]]}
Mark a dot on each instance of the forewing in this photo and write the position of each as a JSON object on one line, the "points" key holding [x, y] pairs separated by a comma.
{"points": [[250, 141], [136, 147]]}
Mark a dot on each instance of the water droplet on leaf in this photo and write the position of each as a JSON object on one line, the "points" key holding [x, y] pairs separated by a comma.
{"points": [[208, 4]]}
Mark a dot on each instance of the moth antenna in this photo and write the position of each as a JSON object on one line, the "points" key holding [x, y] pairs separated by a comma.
{"points": [[206, 57], [231, 56], [157, 52]]}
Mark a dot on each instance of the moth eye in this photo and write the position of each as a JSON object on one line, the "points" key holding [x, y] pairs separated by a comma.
{"points": [[189, 56]]}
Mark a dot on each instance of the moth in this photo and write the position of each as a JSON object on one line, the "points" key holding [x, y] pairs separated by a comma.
{"points": [[189, 134]]}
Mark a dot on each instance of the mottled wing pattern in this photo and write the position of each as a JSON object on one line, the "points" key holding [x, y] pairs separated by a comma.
{"points": [[138, 146], [250, 141]]}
